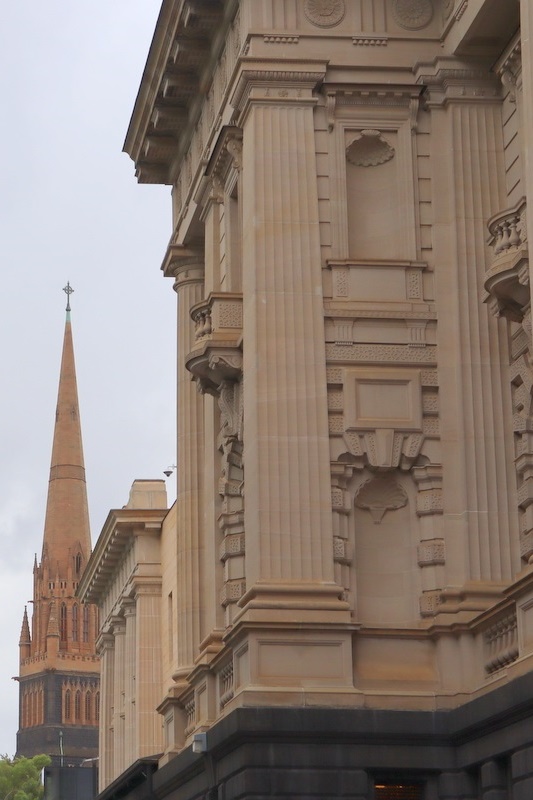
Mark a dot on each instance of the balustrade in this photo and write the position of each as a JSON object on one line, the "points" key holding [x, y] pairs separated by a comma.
{"points": [[216, 353], [501, 644], [507, 279]]}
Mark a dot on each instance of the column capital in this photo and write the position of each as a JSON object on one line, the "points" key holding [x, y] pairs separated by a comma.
{"points": [[105, 642], [118, 625], [450, 80], [129, 607], [185, 264], [294, 84]]}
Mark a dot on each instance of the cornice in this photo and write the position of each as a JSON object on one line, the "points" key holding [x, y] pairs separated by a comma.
{"points": [[120, 528], [187, 43], [264, 76], [447, 79]]}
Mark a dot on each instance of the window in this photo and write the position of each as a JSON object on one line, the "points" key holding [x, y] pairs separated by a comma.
{"points": [[85, 623], [75, 622], [77, 563], [97, 707], [67, 711], [63, 622], [88, 707], [398, 791], [77, 706]]}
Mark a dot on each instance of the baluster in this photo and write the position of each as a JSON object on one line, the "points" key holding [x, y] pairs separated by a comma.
{"points": [[514, 238], [498, 247], [505, 235]]}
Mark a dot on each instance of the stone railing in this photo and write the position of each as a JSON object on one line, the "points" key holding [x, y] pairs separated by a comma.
{"points": [[508, 229], [226, 684], [190, 716], [501, 643], [507, 279]]}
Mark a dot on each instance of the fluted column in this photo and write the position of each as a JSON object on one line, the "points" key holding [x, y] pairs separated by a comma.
{"points": [[188, 270], [130, 728], [119, 631], [148, 669], [468, 179], [286, 449], [106, 651]]}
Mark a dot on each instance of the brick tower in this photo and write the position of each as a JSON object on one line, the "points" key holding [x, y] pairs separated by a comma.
{"points": [[59, 696]]}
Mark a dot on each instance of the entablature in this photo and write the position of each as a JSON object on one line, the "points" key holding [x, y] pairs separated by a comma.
{"points": [[176, 80]]}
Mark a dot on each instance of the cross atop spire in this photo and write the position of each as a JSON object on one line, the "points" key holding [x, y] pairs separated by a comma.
{"points": [[68, 291]]}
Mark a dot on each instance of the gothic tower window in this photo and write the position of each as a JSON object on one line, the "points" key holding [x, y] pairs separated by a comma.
{"points": [[88, 707], [77, 706], [85, 623], [97, 707], [75, 632], [77, 564], [63, 622], [68, 710]]}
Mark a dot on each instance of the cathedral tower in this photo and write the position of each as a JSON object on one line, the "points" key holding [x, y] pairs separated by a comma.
{"points": [[59, 671]]}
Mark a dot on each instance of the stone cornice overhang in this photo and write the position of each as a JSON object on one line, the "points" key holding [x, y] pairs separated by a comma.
{"points": [[188, 39], [441, 739], [137, 775], [119, 529]]}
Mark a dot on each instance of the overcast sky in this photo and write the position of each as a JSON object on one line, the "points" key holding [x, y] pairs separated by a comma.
{"points": [[71, 210]]}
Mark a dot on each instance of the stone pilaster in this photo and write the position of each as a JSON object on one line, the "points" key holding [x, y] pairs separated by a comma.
{"points": [[106, 651], [188, 270], [457, 785], [522, 774], [493, 781], [130, 727], [148, 669], [478, 485], [289, 550], [119, 631]]}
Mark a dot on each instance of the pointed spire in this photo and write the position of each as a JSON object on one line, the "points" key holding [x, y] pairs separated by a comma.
{"points": [[67, 516], [25, 638]]}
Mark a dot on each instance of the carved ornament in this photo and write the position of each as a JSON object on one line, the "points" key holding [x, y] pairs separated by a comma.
{"points": [[379, 495], [447, 8], [369, 149], [412, 14], [325, 13]]}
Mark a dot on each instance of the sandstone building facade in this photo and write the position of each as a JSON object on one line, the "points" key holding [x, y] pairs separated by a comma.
{"points": [[59, 695], [346, 597]]}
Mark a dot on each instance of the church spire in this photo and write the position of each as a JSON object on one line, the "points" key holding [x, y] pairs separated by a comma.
{"points": [[25, 637], [67, 540]]}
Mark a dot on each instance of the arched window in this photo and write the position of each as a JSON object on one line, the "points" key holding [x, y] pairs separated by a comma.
{"points": [[85, 623], [77, 563], [63, 622], [75, 633], [68, 709], [88, 707], [97, 707], [77, 706]]}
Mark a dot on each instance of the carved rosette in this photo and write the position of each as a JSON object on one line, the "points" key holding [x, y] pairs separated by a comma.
{"points": [[412, 14], [325, 13]]}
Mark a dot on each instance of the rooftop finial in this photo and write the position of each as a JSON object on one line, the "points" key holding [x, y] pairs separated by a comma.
{"points": [[68, 291]]}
